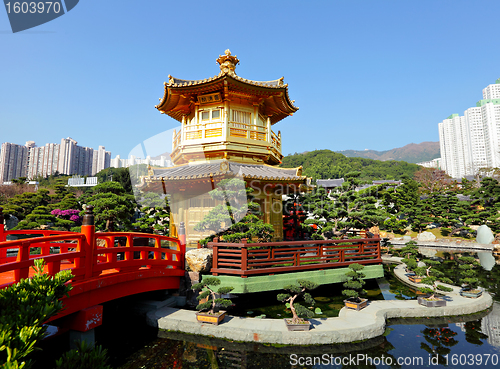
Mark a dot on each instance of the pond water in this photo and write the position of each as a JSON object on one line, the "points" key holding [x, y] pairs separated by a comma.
{"points": [[456, 342]]}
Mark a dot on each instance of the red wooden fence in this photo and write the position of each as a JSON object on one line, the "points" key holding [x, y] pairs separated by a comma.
{"points": [[246, 259]]}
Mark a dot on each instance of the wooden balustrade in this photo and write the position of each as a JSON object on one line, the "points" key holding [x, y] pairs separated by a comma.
{"points": [[237, 130], [246, 259], [80, 252]]}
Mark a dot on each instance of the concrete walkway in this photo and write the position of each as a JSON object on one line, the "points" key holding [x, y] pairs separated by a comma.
{"points": [[349, 326], [447, 244]]}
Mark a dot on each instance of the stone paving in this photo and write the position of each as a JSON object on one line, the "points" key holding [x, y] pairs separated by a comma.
{"points": [[349, 326]]}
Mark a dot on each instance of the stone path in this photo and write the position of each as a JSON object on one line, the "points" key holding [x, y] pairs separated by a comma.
{"points": [[349, 326], [450, 244]]}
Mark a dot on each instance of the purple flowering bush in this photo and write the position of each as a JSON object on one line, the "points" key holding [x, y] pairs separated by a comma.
{"points": [[70, 214]]}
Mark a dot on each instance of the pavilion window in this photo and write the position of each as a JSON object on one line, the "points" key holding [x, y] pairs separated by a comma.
{"points": [[242, 117], [209, 115]]}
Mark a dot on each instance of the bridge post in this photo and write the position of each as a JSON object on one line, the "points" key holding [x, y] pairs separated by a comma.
{"points": [[88, 230], [3, 252], [2, 227], [182, 239]]}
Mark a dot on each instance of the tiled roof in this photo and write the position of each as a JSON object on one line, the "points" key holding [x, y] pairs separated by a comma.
{"points": [[329, 183], [219, 167], [176, 82]]}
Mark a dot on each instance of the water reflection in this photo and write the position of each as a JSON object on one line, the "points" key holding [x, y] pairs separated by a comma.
{"points": [[424, 342], [405, 340]]}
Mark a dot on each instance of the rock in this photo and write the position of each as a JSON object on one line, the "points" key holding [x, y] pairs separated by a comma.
{"points": [[11, 222], [426, 236], [406, 238], [374, 230], [199, 260], [484, 235]]}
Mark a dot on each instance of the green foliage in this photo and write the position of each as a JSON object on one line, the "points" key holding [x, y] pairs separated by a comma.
{"points": [[332, 214], [237, 217], [25, 306], [324, 164], [354, 284], [445, 231], [156, 214], [296, 291], [214, 302], [113, 206], [23, 204], [411, 254], [118, 175], [467, 266], [84, 357], [432, 277]]}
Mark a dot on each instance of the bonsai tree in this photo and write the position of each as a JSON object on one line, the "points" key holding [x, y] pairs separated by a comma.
{"points": [[431, 280], [214, 302], [355, 283], [299, 312], [410, 253], [467, 266], [236, 216]]}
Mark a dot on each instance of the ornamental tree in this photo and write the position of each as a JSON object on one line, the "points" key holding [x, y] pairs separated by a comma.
{"points": [[467, 266], [237, 216], [410, 253], [343, 208], [431, 280], [355, 283], [112, 206], [214, 302], [295, 291]]}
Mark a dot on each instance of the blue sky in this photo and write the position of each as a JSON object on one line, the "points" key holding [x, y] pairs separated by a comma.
{"points": [[372, 74]]}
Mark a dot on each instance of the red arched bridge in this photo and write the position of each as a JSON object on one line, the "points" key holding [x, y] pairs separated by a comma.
{"points": [[105, 266]]}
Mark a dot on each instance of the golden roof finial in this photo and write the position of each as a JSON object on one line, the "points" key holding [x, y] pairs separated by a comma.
{"points": [[227, 62]]}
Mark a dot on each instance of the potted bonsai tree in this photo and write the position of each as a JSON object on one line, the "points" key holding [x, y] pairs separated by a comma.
{"points": [[432, 276], [208, 311], [467, 266], [410, 254], [354, 287], [300, 313]]}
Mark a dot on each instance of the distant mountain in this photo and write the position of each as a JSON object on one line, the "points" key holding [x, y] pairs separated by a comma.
{"points": [[323, 164], [411, 153]]}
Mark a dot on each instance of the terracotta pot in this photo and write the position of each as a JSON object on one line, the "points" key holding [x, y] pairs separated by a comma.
{"points": [[415, 279], [431, 303], [356, 305], [297, 327], [216, 318]]}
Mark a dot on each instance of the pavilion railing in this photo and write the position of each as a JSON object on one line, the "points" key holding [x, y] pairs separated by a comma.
{"points": [[247, 259]]}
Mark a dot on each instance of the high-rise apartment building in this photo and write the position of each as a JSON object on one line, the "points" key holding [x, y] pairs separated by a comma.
{"points": [[13, 161], [44, 160], [67, 158], [471, 142], [74, 159], [101, 160], [163, 161]]}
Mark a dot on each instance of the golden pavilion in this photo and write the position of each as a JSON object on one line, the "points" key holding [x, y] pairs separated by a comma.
{"points": [[225, 132]]}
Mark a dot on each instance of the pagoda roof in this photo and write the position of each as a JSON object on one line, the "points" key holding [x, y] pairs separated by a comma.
{"points": [[180, 94], [224, 167]]}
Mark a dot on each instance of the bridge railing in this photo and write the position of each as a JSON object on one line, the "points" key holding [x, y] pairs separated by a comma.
{"points": [[89, 254], [129, 251], [19, 255], [246, 259]]}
